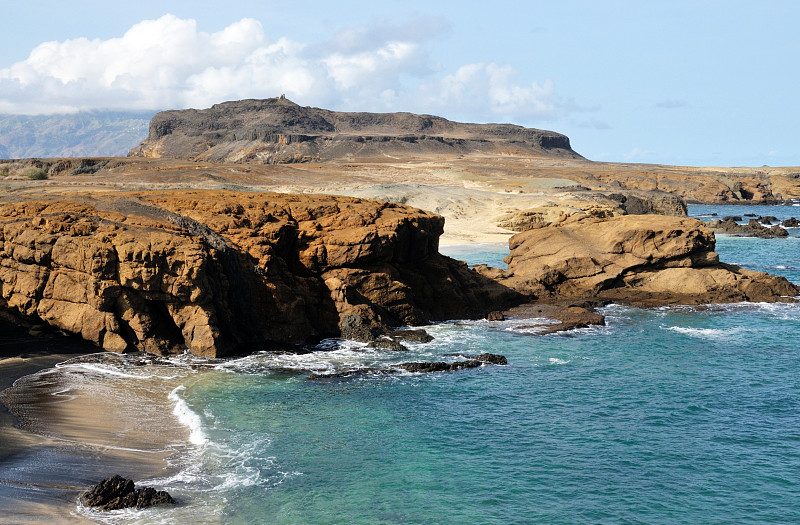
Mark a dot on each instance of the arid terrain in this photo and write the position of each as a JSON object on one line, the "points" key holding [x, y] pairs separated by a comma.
{"points": [[309, 223], [486, 180]]}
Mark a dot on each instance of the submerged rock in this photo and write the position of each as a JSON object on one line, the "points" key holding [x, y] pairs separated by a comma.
{"points": [[425, 367], [485, 357], [420, 367], [116, 493], [559, 317]]}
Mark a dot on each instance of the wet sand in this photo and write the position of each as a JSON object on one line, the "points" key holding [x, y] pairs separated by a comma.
{"points": [[70, 436]]}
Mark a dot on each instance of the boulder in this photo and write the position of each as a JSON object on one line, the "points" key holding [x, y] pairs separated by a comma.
{"points": [[116, 493]]}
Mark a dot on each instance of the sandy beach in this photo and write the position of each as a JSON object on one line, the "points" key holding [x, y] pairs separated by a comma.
{"points": [[71, 435]]}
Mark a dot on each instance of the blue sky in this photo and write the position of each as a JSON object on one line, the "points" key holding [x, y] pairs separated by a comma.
{"points": [[678, 82]]}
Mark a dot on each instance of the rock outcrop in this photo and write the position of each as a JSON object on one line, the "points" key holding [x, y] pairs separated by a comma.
{"points": [[216, 272], [644, 259], [277, 131], [117, 493], [420, 367], [753, 228], [595, 204]]}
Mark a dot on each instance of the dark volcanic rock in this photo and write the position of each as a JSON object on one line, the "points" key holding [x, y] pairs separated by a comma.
{"points": [[791, 222], [412, 336], [388, 344], [116, 493], [494, 359], [427, 367], [277, 130], [420, 367], [752, 229]]}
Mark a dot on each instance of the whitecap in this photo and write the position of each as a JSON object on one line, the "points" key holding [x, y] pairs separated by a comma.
{"points": [[101, 369], [187, 417], [706, 333]]}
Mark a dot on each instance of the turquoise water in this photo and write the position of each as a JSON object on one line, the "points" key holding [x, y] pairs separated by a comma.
{"points": [[672, 415]]}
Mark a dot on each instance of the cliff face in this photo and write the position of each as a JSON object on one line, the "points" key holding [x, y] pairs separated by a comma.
{"points": [[645, 259], [216, 272], [276, 130]]}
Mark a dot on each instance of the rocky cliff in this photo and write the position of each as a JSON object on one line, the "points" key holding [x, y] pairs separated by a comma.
{"points": [[276, 130], [217, 272], [644, 259]]}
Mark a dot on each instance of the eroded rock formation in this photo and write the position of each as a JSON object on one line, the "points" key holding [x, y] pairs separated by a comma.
{"points": [[216, 272], [644, 259]]}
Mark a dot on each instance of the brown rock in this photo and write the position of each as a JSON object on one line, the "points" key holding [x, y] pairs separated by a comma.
{"points": [[214, 271], [641, 259]]}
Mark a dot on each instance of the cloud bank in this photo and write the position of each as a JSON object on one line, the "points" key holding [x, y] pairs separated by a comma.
{"points": [[168, 63]]}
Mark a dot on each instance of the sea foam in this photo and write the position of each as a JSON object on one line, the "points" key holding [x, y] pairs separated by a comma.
{"points": [[187, 417]]}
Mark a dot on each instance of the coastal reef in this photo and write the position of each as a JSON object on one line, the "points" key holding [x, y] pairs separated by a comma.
{"points": [[219, 272], [641, 259]]}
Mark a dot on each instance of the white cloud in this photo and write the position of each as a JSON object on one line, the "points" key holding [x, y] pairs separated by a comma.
{"points": [[492, 91], [349, 71], [168, 63]]}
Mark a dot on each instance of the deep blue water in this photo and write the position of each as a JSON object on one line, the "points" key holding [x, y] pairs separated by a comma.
{"points": [[671, 415]]}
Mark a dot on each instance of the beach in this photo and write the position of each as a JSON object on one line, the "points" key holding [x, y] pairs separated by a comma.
{"points": [[64, 436], [665, 414]]}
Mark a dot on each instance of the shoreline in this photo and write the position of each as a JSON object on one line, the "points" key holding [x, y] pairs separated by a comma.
{"points": [[73, 443]]}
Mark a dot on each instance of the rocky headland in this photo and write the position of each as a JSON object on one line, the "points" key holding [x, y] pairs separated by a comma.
{"points": [[218, 272], [261, 222]]}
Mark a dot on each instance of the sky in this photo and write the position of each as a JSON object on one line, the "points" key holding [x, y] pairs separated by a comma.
{"points": [[698, 83]]}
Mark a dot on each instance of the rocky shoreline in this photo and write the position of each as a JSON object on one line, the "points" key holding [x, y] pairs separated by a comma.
{"points": [[217, 273], [236, 269]]}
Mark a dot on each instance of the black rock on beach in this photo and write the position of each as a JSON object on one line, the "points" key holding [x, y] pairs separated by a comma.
{"points": [[116, 493]]}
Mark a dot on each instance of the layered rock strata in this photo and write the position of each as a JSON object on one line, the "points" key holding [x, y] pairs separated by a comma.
{"points": [[217, 272], [278, 131], [647, 259]]}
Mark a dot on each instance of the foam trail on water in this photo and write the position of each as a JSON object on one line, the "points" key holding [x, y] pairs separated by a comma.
{"points": [[706, 333], [187, 417]]}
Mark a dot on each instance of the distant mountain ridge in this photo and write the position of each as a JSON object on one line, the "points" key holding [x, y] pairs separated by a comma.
{"points": [[276, 130], [86, 134]]}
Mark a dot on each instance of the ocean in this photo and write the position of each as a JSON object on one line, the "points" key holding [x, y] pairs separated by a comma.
{"points": [[666, 415]]}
